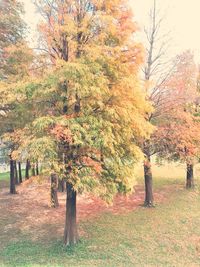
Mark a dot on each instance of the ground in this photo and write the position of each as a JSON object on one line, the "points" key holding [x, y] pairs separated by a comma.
{"points": [[125, 234]]}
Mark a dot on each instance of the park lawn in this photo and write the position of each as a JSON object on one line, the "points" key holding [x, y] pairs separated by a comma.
{"points": [[5, 178], [168, 235], [6, 175]]}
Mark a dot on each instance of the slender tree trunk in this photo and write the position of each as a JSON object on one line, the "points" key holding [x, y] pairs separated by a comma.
{"points": [[12, 177], [20, 172], [16, 173], [37, 168], [27, 169], [33, 170], [61, 185], [190, 176], [148, 182], [70, 233], [54, 195]]}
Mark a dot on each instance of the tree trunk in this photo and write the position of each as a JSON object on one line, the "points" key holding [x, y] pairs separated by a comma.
{"points": [[54, 195], [20, 172], [16, 173], [148, 183], [190, 176], [12, 177], [61, 185], [70, 234], [27, 169], [33, 170], [37, 168]]}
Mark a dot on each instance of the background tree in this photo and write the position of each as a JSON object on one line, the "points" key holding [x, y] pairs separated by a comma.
{"points": [[179, 130], [13, 59], [158, 69], [11, 29]]}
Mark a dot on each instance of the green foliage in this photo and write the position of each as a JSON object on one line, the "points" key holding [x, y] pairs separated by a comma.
{"points": [[11, 32], [98, 129], [85, 115]]}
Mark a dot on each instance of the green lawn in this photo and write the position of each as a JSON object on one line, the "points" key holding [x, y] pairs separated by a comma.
{"points": [[6, 175], [5, 178], [168, 235]]}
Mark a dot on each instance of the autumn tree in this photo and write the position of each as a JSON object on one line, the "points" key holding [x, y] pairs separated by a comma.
{"points": [[179, 131], [157, 69], [182, 144], [14, 114], [11, 64], [11, 29], [84, 129]]}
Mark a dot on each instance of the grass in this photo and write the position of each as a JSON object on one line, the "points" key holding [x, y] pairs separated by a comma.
{"points": [[5, 176], [167, 174], [168, 235], [5, 179]]}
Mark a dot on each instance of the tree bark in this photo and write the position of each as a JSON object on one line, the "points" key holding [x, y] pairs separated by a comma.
{"points": [[33, 170], [190, 176], [16, 173], [20, 172], [27, 169], [148, 182], [12, 177], [61, 185], [70, 233], [37, 168], [54, 195]]}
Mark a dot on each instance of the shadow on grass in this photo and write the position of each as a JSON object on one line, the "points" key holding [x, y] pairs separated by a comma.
{"points": [[163, 236], [28, 254]]}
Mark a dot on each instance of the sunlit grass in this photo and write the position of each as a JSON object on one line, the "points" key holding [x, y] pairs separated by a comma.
{"points": [[168, 235], [5, 176], [168, 174]]}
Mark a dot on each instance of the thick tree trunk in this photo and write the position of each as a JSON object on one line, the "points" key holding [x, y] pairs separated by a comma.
{"points": [[61, 185], [190, 176], [27, 169], [20, 172], [16, 173], [54, 195], [148, 183], [70, 233], [37, 168], [12, 177]]}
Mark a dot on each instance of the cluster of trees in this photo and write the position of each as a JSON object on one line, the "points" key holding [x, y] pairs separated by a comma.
{"points": [[78, 107]]}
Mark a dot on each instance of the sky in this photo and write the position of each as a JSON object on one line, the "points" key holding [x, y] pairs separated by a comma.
{"points": [[182, 19]]}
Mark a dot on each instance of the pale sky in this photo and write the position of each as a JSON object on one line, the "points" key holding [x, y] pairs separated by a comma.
{"points": [[182, 19]]}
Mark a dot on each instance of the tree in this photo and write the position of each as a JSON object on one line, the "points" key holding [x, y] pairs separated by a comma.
{"points": [[84, 129], [182, 144], [179, 130], [20, 172], [157, 70], [12, 177], [54, 196], [11, 29], [15, 61]]}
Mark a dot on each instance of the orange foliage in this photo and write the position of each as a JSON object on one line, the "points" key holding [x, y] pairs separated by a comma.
{"points": [[62, 133]]}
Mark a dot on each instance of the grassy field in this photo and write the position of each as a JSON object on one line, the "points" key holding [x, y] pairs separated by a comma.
{"points": [[4, 176], [168, 235], [4, 179]]}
